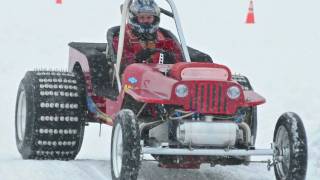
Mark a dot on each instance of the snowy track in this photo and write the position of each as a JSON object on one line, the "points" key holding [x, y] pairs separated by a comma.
{"points": [[93, 163], [100, 170]]}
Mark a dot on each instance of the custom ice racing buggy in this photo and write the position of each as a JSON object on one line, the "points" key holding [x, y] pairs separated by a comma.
{"points": [[182, 114]]}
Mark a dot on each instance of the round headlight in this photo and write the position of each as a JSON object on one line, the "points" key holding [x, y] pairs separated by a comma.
{"points": [[233, 92], [182, 90]]}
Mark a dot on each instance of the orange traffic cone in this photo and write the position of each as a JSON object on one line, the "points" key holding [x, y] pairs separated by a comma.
{"points": [[59, 1], [250, 15]]}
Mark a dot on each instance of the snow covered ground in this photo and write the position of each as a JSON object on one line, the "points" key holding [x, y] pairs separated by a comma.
{"points": [[280, 54]]}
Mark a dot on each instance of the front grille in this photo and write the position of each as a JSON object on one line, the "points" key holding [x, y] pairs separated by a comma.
{"points": [[207, 98]]}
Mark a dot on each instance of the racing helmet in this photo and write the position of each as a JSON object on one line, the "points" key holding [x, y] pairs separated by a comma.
{"points": [[144, 30]]}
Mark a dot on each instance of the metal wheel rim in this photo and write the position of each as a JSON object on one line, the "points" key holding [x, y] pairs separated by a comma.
{"points": [[117, 151], [21, 115], [283, 146]]}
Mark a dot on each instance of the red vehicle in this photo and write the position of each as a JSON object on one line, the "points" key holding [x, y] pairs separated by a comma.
{"points": [[182, 114]]}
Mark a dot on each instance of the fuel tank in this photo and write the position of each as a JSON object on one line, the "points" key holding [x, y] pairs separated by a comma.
{"points": [[216, 134]]}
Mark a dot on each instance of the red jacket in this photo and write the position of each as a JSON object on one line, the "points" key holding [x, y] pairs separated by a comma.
{"points": [[132, 45]]}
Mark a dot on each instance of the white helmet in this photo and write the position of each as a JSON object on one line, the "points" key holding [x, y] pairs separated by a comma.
{"points": [[146, 31]]}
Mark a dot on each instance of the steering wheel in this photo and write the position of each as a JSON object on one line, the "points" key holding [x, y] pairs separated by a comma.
{"points": [[145, 55]]}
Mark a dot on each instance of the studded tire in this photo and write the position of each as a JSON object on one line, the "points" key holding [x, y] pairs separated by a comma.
{"points": [[50, 115]]}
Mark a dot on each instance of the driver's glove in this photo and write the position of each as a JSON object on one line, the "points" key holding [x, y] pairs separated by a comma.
{"points": [[169, 57], [143, 55]]}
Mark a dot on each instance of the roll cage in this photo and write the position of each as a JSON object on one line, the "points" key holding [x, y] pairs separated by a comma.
{"points": [[125, 12]]}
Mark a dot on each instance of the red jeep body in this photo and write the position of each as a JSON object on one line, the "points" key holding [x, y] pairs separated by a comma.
{"points": [[156, 84]]}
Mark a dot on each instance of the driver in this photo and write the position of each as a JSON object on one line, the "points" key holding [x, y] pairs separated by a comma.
{"points": [[144, 42]]}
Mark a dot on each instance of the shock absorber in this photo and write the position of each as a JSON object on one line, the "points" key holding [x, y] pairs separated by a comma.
{"points": [[161, 110]]}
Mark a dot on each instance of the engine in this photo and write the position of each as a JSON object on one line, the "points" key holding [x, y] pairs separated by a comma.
{"points": [[194, 133]]}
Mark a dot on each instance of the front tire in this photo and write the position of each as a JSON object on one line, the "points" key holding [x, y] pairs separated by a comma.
{"points": [[125, 147], [291, 148]]}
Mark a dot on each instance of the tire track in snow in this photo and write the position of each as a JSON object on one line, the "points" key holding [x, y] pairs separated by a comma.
{"points": [[100, 170]]}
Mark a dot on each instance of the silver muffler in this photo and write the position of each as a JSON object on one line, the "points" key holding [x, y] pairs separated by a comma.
{"points": [[216, 134]]}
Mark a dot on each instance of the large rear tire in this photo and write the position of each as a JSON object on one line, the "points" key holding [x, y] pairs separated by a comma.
{"points": [[50, 115], [291, 148], [125, 147]]}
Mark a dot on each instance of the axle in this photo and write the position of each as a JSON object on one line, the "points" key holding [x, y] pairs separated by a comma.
{"points": [[207, 152]]}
